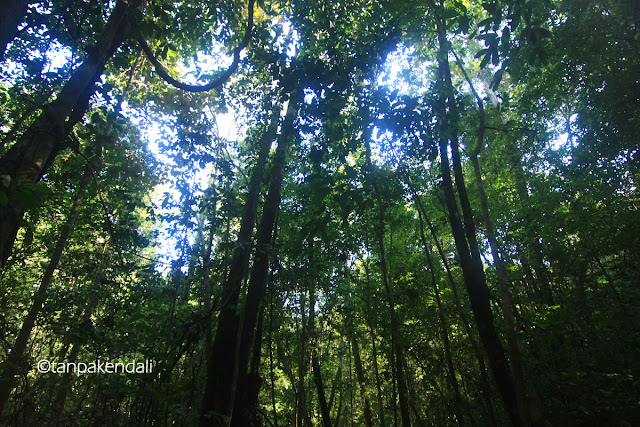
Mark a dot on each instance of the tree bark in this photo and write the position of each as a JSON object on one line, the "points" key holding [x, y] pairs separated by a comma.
{"points": [[234, 334], [28, 159], [13, 13], [368, 414], [13, 364], [403, 394], [464, 234]]}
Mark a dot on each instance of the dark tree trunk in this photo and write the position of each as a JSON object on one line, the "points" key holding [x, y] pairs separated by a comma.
{"points": [[28, 159], [465, 322], [368, 414], [374, 355], [464, 234], [13, 13], [13, 363], [403, 394], [228, 360], [221, 355], [260, 270]]}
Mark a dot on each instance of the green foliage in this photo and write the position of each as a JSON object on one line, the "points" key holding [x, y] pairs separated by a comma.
{"points": [[143, 271]]}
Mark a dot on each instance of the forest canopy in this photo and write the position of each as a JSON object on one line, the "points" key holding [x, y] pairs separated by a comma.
{"points": [[314, 212]]}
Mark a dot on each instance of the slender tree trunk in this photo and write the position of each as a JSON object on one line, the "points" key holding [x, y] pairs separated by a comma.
{"points": [[12, 365], [315, 360], [528, 415], [534, 250], [271, 367], [464, 234], [221, 356], [206, 263], [254, 381], [61, 395], [368, 414], [337, 381], [28, 159], [465, 322], [374, 350], [444, 325], [395, 325], [301, 404], [260, 270]]}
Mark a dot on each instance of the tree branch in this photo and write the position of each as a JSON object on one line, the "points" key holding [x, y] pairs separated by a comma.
{"points": [[162, 72], [481, 126]]}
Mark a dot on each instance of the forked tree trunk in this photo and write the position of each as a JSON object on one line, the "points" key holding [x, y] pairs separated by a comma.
{"points": [[221, 355], [464, 234], [260, 271]]}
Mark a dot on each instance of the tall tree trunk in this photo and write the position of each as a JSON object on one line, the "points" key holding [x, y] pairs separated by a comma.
{"points": [[533, 247], [313, 338], [221, 355], [465, 322], [374, 350], [303, 363], [260, 270], [13, 362], [228, 361], [529, 414], [338, 378], [368, 414], [271, 367], [403, 394], [65, 387], [254, 381], [28, 159], [464, 234], [207, 248], [444, 325]]}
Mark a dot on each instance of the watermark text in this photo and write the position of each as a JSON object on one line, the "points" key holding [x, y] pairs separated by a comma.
{"points": [[96, 367]]}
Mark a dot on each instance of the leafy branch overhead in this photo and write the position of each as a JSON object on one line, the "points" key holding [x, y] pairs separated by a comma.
{"points": [[219, 80]]}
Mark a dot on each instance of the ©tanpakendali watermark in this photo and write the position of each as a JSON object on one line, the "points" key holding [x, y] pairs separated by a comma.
{"points": [[96, 367]]}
